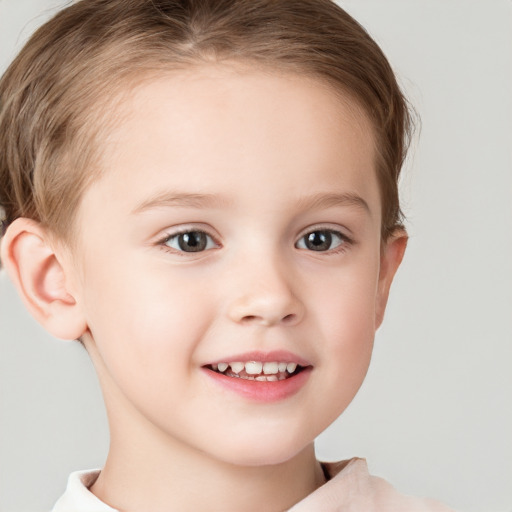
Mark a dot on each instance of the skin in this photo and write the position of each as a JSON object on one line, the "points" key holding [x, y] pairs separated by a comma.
{"points": [[264, 154]]}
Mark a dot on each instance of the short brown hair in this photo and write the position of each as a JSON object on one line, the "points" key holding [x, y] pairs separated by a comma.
{"points": [[51, 96]]}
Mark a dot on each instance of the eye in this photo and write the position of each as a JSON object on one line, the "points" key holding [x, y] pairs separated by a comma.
{"points": [[321, 240], [190, 241]]}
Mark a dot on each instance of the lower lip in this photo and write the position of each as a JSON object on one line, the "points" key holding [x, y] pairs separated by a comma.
{"points": [[262, 391]]}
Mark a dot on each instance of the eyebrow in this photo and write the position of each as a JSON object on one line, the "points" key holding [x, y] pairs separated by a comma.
{"points": [[190, 200], [169, 199], [329, 200]]}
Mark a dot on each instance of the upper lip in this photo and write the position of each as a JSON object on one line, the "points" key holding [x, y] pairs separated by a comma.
{"points": [[264, 357]]}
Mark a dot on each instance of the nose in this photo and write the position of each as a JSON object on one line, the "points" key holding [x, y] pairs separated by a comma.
{"points": [[265, 296]]}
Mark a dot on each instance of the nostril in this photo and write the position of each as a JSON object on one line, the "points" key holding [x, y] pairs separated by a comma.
{"points": [[270, 321], [289, 318]]}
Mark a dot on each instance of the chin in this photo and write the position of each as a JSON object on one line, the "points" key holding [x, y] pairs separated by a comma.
{"points": [[260, 459], [264, 450]]}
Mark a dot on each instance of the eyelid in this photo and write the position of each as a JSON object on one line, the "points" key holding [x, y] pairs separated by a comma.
{"points": [[327, 227]]}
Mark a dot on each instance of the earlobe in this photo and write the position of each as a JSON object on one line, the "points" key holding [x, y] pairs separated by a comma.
{"points": [[41, 279], [392, 254]]}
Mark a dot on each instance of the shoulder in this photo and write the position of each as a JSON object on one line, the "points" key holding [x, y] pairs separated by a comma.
{"points": [[352, 489], [78, 498]]}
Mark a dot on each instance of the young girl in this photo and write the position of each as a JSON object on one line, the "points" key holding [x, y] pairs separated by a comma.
{"points": [[204, 193]]}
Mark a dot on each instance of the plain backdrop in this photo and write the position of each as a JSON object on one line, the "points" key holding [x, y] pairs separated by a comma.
{"points": [[435, 413]]}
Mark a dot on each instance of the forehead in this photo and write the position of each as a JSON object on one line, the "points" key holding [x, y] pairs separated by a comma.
{"points": [[230, 128]]}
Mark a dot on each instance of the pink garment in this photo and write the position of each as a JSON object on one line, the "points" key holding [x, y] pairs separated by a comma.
{"points": [[350, 489]]}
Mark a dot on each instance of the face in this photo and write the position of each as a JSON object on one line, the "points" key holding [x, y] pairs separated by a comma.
{"points": [[229, 262]]}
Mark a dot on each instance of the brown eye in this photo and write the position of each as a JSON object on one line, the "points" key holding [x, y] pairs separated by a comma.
{"points": [[321, 240], [190, 241]]}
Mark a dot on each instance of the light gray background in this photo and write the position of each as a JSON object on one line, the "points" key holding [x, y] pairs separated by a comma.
{"points": [[435, 413]]}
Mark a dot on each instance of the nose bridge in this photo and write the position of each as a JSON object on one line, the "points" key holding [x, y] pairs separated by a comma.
{"points": [[264, 291]]}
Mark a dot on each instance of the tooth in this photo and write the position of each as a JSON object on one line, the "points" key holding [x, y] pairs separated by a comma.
{"points": [[261, 378], [282, 367], [237, 367], [223, 367], [215, 367], [253, 367], [272, 378], [270, 368], [290, 367]]}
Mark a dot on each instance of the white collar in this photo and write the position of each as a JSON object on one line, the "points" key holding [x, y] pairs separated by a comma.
{"points": [[78, 498]]}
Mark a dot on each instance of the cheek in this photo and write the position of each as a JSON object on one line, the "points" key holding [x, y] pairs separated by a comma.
{"points": [[347, 303], [347, 328], [147, 327], [349, 341]]}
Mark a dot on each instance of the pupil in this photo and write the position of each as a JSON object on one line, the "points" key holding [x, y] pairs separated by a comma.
{"points": [[319, 241], [192, 242]]}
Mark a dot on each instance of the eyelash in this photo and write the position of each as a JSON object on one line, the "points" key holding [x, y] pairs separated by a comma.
{"points": [[344, 241]]}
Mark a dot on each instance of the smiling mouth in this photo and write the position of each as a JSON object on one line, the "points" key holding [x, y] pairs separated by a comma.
{"points": [[257, 370]]}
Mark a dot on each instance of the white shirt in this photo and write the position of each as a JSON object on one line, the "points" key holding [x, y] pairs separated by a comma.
{"points": [[350, 489]]}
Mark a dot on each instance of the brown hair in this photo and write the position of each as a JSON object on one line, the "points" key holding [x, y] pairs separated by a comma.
{"points": [[54, 94]]}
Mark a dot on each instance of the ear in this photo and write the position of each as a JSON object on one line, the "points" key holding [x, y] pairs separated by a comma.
{"points": [[41, 279], [392, 253]]}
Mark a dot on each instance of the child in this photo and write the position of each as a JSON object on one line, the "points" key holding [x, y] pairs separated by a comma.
{"points": [[204, 193]]}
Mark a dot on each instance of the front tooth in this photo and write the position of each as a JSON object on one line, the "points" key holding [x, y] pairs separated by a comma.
{"points": [[253, 367], [223, 367], [237, 367], [291, 367], [270, 368], [282, 367], [261, 378], [272, 378]]}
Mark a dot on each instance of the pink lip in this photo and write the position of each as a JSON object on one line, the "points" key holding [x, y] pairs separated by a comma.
{"points": [[265, 357], [262, 391]]}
